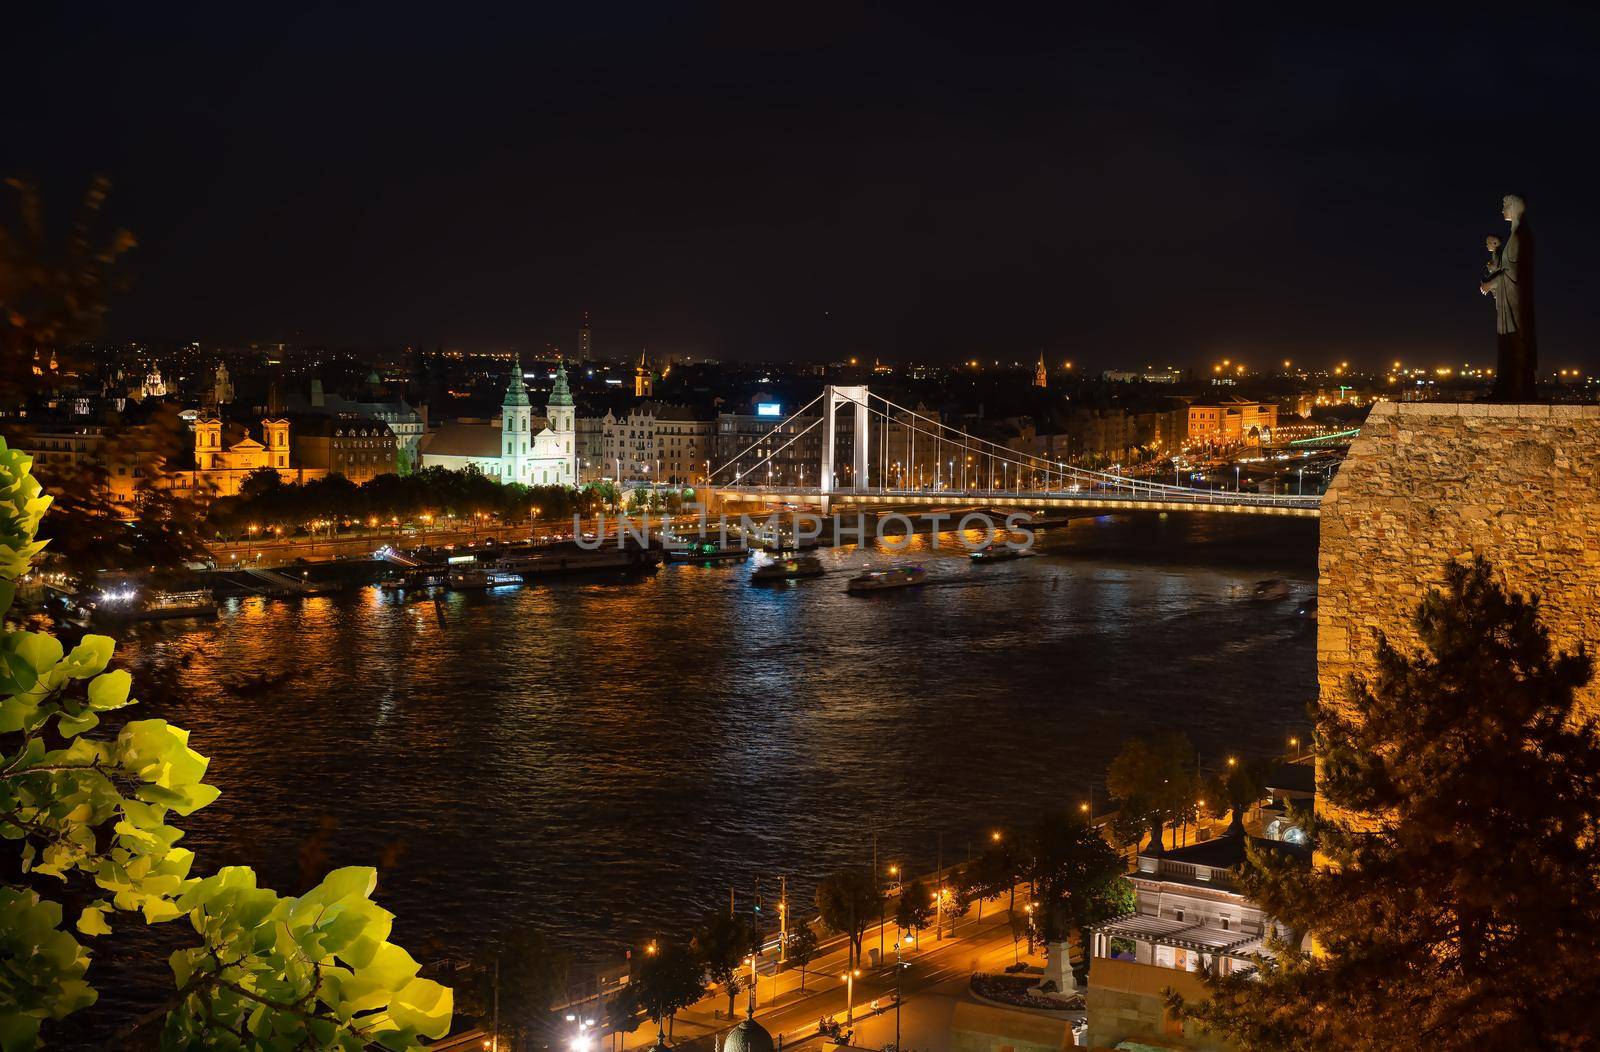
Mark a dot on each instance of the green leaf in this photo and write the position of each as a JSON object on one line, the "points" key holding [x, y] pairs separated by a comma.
{"points": [[110, 690], [92, 921], [72, 726], [40, 651], [18, 1031]]}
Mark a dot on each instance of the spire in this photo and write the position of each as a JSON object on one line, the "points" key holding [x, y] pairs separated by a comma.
{"points": [[560, 394], [516, 393]]}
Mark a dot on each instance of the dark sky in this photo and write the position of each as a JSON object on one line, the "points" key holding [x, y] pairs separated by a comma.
{"points": [[811, 181]]}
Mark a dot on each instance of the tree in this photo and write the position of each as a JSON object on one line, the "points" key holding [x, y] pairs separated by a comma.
{"points": [[1071, 867], [1232, 790], [1153, 781], [723, 942], [668, 980], [86, 797], [996, 872], [801, 949], [847, 900], [916, 906], [533, 976], [1461, 906]]}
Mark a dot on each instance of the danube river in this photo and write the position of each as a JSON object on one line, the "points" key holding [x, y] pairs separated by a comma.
{"points": [[605, 759]]}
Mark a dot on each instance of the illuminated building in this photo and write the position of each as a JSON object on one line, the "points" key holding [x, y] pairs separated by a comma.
{"points": [[517, 446], [656, 443], [1231, 422], [643, 379]]}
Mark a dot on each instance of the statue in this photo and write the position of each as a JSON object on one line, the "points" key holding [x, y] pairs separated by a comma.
{"points": [[1510, 280]]}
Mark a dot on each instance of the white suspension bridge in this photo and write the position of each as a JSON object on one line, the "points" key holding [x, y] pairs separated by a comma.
{"points": [[899, 456]]}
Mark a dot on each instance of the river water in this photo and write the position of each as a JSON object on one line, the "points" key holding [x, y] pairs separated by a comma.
{"points": [[605, 759]]}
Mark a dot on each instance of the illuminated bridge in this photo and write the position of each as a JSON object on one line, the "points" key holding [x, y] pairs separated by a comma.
{"points": [[899, 457]]}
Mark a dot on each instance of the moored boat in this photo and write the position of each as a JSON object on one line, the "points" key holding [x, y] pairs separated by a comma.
{"points": [[706, 551], [154, 606], [882, 580], [475, 578], [566, 558]]}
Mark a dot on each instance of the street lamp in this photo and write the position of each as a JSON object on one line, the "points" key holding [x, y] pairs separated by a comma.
{"points": [[898, 943], [850, 994], [583, 1041]]}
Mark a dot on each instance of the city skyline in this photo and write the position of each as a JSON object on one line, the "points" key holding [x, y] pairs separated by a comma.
{"points": [[875, 184]]}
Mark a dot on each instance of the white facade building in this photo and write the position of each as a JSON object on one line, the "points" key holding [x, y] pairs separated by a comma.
{"points": [[518, 446]]}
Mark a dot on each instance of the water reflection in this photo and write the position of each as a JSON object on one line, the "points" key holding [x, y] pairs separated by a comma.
{"points": [[607, 758]]}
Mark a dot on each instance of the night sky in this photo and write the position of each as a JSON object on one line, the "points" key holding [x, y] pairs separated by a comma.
{"points": [[809, 181]]}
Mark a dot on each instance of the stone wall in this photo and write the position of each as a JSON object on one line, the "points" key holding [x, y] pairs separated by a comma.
{"points": [[1428, 482], [1128, 1002]]}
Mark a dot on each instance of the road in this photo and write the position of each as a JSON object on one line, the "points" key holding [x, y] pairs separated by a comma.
{"points": [[786, 1010]]}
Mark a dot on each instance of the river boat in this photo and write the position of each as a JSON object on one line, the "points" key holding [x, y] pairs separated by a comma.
{"points": [[1270, 591], [883, 580], [155, 606], [568, 558], [788, 567], [479, 578], [705, 552], [997, 552]]}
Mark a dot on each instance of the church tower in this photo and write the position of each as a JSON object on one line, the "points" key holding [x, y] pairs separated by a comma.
{"points": [[643, 382], [222, 386], [516, 418], [562, 421], [275, 436], [1041, 378], [207, 441]]}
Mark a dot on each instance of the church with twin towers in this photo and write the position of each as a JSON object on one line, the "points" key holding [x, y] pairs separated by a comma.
{"points": [[519, 447]]}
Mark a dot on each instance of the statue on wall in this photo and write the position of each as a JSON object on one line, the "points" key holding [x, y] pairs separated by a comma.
{"points": [[1509, 279]]}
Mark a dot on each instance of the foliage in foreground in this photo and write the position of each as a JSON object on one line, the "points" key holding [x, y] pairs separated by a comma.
{"points": [[1462, 905], [87, 805]]}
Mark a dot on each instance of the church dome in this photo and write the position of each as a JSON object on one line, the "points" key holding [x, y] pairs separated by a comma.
{"points": [[748, 1036]]}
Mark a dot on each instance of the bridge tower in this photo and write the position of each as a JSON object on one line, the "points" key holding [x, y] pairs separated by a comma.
{"points": [[860, 453]]}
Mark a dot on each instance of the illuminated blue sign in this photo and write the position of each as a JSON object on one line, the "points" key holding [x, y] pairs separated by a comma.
{"points": [[769, 409]]}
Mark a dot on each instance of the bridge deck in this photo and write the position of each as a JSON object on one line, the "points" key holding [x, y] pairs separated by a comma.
{"points": [[1195, 500]]}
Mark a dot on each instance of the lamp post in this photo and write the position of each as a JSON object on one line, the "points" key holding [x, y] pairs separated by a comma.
{"points": [[897, 966], [850, 994]]}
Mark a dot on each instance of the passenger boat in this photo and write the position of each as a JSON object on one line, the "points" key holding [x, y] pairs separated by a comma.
{"points": [[154, 606], [476, 578], [787, 568], [882, 580], [392, 584], [706, 551], [1271, 590]]}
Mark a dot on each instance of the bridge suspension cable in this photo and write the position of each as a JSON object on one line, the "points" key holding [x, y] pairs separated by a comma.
{"points": [[731, 461], [1035, 474]]}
